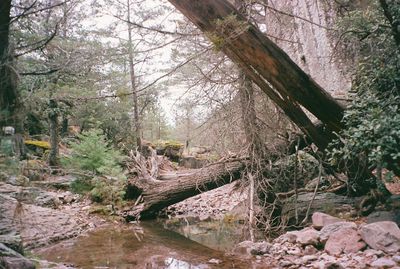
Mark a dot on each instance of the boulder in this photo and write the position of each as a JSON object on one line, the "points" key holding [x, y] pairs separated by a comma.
{"points": [[345, 240], [30, 195], [384, 235], [12, 241], [260, 248], [16, 263], [319, 220], [307, 236], [287, 237], [53, 225], [393, 215], [10, 259], [331, 228]]}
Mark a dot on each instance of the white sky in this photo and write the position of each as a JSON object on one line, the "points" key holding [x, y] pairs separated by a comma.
{"points": [[161, 62]]}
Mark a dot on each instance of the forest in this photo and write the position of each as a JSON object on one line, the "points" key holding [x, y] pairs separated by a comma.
{"points": [[199, 134]]}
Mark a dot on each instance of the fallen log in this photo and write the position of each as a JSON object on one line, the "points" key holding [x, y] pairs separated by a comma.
{"points": [[297, 207], [154, 195]]}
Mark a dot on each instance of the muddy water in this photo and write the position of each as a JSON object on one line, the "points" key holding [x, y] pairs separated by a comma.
{"points": [[148, 246]]}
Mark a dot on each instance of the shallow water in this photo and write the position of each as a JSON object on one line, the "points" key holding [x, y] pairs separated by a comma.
{"points": [[148, 246], [221, 234]]}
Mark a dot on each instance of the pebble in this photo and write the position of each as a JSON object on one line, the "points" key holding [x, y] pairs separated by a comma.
{"points": [[383, 263], [396, 258], [214, 261]]}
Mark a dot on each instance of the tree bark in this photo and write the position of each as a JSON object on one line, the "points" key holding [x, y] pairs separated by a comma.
{"points": [[136, 117], [267, 65], [53, 126], [158, 194], [9, 97], [394, 24]]}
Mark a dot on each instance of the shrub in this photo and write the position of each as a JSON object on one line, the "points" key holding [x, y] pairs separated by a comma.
{"points": [[93, 153], [373, 119]]}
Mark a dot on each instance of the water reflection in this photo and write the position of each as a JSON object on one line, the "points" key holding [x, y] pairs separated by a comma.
{"points": [[172, 263], [148, 246], [216, 234]]}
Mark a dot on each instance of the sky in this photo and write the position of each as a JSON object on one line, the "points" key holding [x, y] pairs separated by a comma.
{"points": [[159, 61]]}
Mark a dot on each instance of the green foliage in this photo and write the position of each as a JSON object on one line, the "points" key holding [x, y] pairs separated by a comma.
{"points": [[107, 191], [93, 153], [373, 119], [81, 186]]}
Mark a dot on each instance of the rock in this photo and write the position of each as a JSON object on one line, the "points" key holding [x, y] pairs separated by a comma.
{"points": [[383, 263], [396, 258], [215, 261], [6, 251], [319, 220], [378, 216], [285, 263], [251, 248], [53, 225], [331, 228], [308, 258], [66, 197], [260, 248], [16, 263], [19, 180], [373, 252], [307, 236], [384, 235], [243, 248], [296, 251], [10, 259], [345, 240], [30, 195], [287, 237], [205, 217], [12, 241], [310, 250], [333, 265]]}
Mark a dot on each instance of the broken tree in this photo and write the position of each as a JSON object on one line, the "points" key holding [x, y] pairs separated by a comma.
{"points": [[275, 74], [155, 190], [267, 65]]}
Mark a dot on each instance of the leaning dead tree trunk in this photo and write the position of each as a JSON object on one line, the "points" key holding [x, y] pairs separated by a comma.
{"points": [[266, 64], [153, 195], [276, 74]]}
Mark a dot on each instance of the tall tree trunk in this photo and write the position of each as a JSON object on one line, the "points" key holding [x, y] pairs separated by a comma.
{"points": [[267, 65], [9, 97], [53, 125], [394, 23], [136, 116]]}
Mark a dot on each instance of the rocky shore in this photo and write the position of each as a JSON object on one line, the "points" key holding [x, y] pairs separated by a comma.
{"points": [[32, 217], [329, 243]]}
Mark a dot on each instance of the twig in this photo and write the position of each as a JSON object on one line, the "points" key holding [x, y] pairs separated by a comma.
{"points": [[315, 193]]}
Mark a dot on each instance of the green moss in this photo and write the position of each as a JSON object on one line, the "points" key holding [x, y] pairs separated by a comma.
{"points": [[169, 144], [38, 143]]}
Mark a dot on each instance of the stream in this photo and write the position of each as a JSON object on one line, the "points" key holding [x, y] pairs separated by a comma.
{"points": [[149, 245]]}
